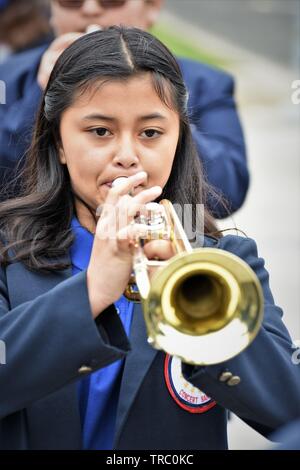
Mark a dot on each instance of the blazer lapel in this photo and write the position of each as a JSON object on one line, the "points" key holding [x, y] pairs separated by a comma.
{"points": [[136, 366]]}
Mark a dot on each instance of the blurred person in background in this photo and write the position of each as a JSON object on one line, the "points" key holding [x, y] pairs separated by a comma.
{"points": [[216, 126], [23, 25]]}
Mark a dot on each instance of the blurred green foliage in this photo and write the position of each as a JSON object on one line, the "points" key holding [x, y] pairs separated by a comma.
{"points": [[184, 47]]}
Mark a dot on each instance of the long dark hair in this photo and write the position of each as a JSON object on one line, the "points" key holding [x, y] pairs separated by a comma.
{"points": [[36, 225]]}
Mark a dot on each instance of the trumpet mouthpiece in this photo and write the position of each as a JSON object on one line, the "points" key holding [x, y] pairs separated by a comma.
{"points": [[92, 28], [118, 181]]}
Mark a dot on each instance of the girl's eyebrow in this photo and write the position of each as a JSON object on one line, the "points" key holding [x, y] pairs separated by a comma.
{"points": [[102, 117], [148, 117]]}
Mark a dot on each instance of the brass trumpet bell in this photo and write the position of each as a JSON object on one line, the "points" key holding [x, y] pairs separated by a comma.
{"points": [[204, 306]]}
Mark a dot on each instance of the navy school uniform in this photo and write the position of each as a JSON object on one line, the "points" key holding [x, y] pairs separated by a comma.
{"points": [[215, 123], [288, 436], [52, 343]]}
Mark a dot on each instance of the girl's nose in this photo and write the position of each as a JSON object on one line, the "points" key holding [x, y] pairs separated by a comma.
{"points": [[91, 8], [126, 156], [126, 160]]}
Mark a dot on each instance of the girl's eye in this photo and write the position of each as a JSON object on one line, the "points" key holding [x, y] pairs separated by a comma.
{"points": [[150, 133], [101, 132]]}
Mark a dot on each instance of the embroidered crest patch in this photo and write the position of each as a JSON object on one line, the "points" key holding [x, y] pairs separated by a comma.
{"points": [[184, 393]]}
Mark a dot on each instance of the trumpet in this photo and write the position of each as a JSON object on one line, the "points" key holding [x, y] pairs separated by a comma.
{"points": [[203, 305]]}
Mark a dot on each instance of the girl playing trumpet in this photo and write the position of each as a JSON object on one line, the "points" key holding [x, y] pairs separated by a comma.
{"points": [[79, 372]]}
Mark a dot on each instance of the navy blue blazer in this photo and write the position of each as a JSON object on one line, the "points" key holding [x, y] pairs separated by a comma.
{"points": [[289, 436], [52, 341], [215, 123]]}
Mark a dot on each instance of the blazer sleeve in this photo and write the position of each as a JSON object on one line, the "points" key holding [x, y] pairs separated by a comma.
{"points": [[217, 133], [47, 341], [268, 395]]}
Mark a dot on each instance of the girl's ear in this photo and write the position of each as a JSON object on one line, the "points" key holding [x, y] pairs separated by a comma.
{"points": [[62, 157]]}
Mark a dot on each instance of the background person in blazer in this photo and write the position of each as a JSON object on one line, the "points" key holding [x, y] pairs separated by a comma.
{"points": [[216, 125], [79, 372]]}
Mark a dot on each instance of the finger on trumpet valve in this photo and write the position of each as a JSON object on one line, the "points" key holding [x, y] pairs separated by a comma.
{"points": [[155, 212], [156, 220]]}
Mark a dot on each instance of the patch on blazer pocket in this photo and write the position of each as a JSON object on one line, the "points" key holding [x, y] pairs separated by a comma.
{"points": [[185, 394]]}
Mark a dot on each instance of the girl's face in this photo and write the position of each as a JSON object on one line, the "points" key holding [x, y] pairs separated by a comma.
{"points": [[117, 129]]}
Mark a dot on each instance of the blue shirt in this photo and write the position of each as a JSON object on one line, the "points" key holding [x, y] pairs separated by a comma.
{"points": [[99, 392]]}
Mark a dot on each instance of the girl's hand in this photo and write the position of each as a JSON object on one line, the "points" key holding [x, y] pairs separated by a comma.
{"points": [[110, 265]]}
